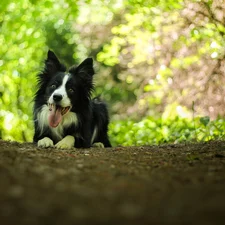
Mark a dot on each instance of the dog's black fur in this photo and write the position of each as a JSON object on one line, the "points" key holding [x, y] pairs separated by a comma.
{"points": [[87, 119]]}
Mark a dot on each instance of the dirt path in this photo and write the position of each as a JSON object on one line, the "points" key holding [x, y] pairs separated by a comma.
{"points": [[171, 184]]}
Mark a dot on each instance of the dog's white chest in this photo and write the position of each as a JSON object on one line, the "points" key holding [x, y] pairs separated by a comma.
{"points": [[57, 132]]}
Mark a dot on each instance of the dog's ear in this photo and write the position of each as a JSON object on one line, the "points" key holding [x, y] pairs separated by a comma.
{"points": [[85, 68], [51, 56], [84, 73], [52, 64]]}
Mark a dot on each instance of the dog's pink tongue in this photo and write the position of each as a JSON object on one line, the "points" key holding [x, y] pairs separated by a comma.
{"points": [[55, 117]]}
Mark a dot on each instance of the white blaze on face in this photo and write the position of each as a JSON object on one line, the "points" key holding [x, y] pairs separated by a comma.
{"points": [[61, 90], [56, 112]]}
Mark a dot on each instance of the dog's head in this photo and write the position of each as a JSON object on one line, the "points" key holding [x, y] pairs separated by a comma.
{"points": [[66, 91]]}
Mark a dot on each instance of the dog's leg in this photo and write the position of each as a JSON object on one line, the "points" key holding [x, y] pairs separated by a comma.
{"points": [[45, 143], [98, 145], [106, 142], [66, 143]]}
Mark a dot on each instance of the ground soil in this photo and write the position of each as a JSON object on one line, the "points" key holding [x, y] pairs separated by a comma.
{"points": [[169, 184]]}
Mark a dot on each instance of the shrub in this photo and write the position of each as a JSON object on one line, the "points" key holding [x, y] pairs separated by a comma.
{"points": [[152, 131]]}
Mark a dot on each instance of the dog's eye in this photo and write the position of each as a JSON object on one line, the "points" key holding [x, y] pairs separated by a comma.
{"points": [[71, 90], [53, 86]]}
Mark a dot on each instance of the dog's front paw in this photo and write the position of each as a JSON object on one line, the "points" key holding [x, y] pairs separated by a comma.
{"points": [[45, 143], [98, 145], [66, 143]]}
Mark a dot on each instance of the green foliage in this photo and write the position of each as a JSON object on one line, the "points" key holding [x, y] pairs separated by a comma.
{"points": [[152, 131], [27, 30]]}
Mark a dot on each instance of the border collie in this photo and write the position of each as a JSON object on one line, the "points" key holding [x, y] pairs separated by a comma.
{"points": [[65, 116]]}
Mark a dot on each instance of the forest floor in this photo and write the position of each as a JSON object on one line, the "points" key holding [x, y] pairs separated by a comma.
{"points": [[168, 184]]}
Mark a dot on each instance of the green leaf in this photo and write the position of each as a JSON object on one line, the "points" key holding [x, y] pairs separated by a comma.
{"points": [[205, 120]]}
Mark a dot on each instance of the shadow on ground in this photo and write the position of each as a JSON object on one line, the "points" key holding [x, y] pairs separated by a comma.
{"points": [[171, 184]]}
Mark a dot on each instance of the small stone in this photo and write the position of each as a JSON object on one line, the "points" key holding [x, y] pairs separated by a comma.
{"points": [[80, 166]]}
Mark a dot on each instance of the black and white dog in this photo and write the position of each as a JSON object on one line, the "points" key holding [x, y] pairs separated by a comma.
{"points": [[65, 116]]}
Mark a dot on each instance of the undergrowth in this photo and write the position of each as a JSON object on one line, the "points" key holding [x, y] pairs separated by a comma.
{"points": [[151, 131]]}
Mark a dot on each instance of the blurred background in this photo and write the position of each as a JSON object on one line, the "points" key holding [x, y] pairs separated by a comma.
{"points": [[159, 64]]}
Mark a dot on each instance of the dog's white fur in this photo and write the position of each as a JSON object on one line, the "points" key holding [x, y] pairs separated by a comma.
{"points": [[57, 132], [45, 142], [66, 142]]}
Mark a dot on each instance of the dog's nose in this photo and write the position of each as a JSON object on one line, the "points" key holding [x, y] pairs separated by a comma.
{"points": [[57, 97]]}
